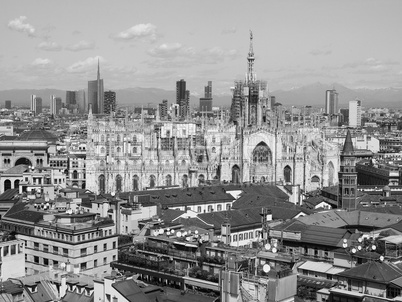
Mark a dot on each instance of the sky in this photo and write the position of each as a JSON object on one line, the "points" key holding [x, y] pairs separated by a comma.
{"points": [[57, 44]]}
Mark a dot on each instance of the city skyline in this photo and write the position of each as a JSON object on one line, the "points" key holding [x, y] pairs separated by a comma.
{"points": [[57, 45]]}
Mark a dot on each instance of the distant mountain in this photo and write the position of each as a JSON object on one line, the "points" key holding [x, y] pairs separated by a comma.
{"points": [[313, 94]]}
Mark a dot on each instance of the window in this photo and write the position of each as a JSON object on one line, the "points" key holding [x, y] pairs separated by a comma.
{"points": [[55, 250], [95, 262], [36, 246], [105, 246], [105, 260], [45, 248], [114, 257], [84, 252], [95, 249], [45, 261], [245, 236], [234, 238], [36, 259], [240, 237], [65, 252], [199, 209], [114, 244], [83, 266]]}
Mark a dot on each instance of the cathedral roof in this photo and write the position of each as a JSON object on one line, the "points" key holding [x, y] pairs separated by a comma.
{"points": [[37, 135], [348, 146]]}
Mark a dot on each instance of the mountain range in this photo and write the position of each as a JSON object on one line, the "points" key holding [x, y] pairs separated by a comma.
{"points": [[313, 94]]}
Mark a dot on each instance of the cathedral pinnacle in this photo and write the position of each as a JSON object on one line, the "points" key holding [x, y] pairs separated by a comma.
{"points": [[250, 59]]}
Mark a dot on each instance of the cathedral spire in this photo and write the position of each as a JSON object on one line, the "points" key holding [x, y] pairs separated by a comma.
{"points": [[348, 146], [250, 59]]}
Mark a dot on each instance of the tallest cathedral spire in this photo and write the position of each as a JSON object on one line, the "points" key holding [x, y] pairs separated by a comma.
{"points": [[98, 78], [250, 59]]}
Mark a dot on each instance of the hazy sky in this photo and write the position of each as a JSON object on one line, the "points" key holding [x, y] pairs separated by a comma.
{"points": [[55, 44]]}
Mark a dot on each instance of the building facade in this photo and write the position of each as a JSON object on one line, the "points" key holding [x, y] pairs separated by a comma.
{"points": [[331, 102], [355, 113], [110, 102]]}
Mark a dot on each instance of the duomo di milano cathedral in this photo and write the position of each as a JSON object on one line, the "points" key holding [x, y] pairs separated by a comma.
{"points": [[253, 146]]}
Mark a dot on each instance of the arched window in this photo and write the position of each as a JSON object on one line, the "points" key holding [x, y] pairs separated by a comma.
{"points": [[287, 174], [213, 149], [102, 150], [118, 183], [168, 180], [152, 181], [75, 174], [134, 149], [183, 162], [118, 150], [235, 174], [135, 182], [201, 179], [262, 153], [184, 181], [101, 183], [16, 183], [315, 178]]}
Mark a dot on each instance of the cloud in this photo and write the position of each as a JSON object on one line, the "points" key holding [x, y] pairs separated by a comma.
{"points": [[20, 25], [88, 64], [41, 62], [137, 32], [228, 31], [49, 46], [76, 32], [371, 63], [81, 45], [319, 52], [177, 55]]}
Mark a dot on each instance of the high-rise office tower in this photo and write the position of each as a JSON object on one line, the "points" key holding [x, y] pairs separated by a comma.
{"points": [[206, 101], [355, 113], [55, 105], [7, 104], [96, 94], [182, 98], [110, 102], [75, 101], [331, 102], [36, 104]]}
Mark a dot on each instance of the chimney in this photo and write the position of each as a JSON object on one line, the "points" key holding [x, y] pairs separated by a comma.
{"points": [[63, 285]]}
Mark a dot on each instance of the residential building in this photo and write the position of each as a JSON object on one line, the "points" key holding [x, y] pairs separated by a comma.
{"points": [[12, 259], [55, 105], [355, 113], [110, 102], [7, 104], [71, 238], [36, 104]]}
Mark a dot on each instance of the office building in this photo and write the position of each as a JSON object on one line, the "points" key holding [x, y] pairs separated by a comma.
{"points": [[110, 102], [206, 101], [7, 104], [163, 110], [355, 113], [55, 105], [96, 94], [182, 98], [331, 102], [36, 104]]}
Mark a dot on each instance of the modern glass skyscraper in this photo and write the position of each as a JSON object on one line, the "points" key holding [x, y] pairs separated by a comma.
{"points": [[331, 102], [182, 98], [36, 104], [110, 102], [96, 94]]}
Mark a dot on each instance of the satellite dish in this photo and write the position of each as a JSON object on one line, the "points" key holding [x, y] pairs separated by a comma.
{"points": [[63, 265], [178, 234], [373, 247], [189, 232], [381, 258], [113, 194], [267, 246], [168, 230], [161, 231], [354, 250], [345, 240], [359, 247], [344, 245], [184, 233], [274, 250], [266, 268], [360, 239], [196, 232], [275, 244], [188, 238]]}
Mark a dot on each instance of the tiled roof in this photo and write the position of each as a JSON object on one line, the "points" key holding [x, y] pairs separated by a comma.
{"points": [[9, 194], [17, 169], [75, 297], [324, 235], [131, 291], [168, 215], [374, 271], [20, 212]]}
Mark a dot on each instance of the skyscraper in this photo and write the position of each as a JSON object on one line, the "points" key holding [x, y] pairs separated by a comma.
{"points": [[75, 101], [55, 105], [110, 102], [163, 110], [355, 113], [96, 94], [331, 102], [7, 104], [206, 101], [36, 104], [182, 98]]}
